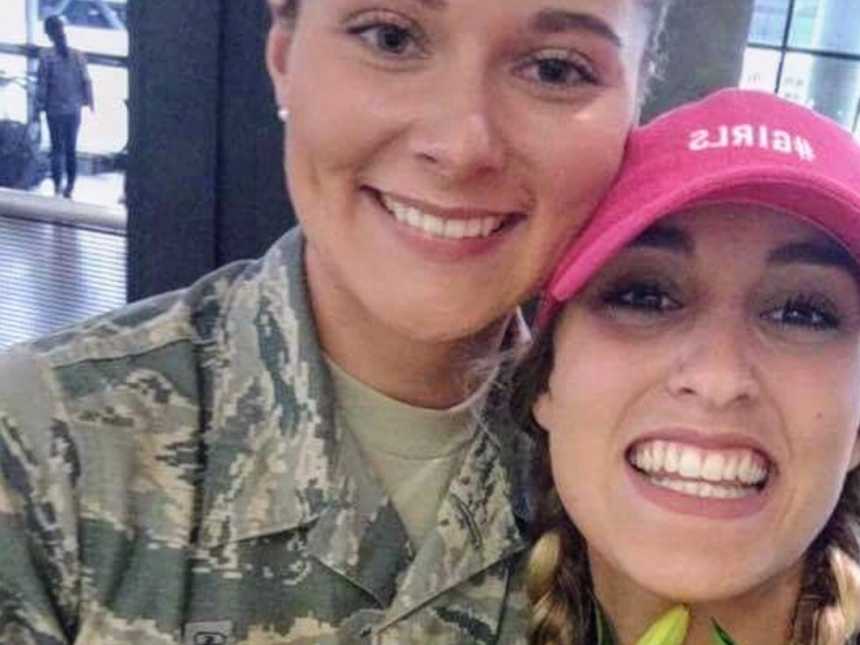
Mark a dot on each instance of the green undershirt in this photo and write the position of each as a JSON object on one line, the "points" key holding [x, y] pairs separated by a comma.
{"points": [[415, 452]]}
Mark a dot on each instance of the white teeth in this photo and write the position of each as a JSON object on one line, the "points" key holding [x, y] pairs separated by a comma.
{"points": [[658, 450], [672, 458], [713, 468], [473, 227], [703, 489], [698, 465], [433, 225], [691, 463], [488, 225], [454, 229], [746, 470], [730, 471]]}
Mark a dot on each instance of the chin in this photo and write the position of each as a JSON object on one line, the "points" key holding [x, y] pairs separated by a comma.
{"points": [[693, 581], [446, 322], [433, 328]]}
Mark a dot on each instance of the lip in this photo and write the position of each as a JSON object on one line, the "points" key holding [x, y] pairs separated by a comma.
{"points": [[709, 508], [445, 250]]}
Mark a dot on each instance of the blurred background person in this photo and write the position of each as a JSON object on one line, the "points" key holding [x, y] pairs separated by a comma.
{"points": [[63, 88]]}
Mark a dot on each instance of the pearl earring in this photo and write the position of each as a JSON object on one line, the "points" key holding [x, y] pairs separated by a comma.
{"points": [[283, 114]]}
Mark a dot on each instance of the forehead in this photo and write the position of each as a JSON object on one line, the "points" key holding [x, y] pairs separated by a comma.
{"points": [[745, 224], [548, 15]]}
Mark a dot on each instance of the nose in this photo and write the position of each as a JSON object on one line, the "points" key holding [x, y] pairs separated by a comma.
{"points": [[459, 136], [714, 367]]}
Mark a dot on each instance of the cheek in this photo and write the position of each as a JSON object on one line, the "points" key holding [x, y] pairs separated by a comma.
{"points": [[578, 159], [593, 364], [820, 407], [337, 117], [582, 469], [823, 398]]}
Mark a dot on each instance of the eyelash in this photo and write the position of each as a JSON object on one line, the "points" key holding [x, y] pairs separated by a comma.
{"points": [[819, 313], [583, 72], [558, 63], [811, 312], [378, 25], [646, 298]]}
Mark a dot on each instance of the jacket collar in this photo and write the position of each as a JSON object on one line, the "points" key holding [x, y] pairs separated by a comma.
{"points": [[275, 458], [271, 438]]}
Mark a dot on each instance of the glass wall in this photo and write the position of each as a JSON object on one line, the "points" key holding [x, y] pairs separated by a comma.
{"points": [[808, 51], [98, 29]]}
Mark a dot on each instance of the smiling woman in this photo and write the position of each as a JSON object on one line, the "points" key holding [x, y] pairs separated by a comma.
{"points": [[473, 140], [698, 417], [291, 450]]}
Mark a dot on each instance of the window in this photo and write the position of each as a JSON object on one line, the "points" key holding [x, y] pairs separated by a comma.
{"points": [[87, 13], [95, 26], [13, 22], [808, 51], [768, 23], [13, 87], [98, 29]]}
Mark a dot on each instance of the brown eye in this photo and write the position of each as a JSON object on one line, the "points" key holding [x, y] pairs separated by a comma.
{"points": [[642, 297], [808, 312], [558, 72]]}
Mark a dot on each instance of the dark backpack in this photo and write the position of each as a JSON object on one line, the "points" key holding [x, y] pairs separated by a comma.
{"points": [[21, 163]]}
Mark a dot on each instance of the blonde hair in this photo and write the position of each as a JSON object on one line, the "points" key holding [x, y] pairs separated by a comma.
{"points": [[828, 610], [558, 579], [838, 622]]}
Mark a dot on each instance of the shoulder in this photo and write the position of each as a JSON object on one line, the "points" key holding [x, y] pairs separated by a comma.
{"points": [[132, 362], [169, 339], [132, 392]]}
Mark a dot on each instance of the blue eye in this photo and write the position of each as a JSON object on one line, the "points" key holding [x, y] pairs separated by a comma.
{"points": [[803, 311], [388, 38], [641, 297]]}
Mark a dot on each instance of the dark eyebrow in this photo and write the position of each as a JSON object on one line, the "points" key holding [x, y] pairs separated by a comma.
{"points": [[823, 253], [554, 21], [665, 238]]}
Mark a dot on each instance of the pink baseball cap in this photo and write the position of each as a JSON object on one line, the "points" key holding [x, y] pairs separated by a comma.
{"points": [[734, 146]]}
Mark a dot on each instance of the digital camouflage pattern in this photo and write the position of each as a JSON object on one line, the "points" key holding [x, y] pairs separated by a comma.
{"points": [[172, 474]]}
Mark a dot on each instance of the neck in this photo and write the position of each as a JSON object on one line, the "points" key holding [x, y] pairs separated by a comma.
{"points": [[760, 615], [428, 373]]}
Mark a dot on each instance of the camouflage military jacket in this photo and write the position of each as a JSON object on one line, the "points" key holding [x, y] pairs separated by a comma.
{"points": [[172, 474]]}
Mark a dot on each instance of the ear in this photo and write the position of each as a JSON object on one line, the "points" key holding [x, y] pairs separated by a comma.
{"points": [[542, 411], [277, 60]]}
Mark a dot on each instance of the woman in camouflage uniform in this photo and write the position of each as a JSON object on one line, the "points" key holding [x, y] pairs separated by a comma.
{"points": [[288, 451]]}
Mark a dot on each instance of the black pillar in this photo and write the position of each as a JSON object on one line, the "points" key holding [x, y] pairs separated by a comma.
{"points": [[704, 48], [205, 184]]}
